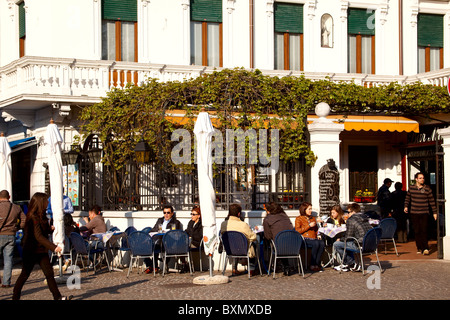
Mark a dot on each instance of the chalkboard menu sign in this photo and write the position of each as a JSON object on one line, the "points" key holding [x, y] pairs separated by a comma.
{"points": [[328, 187]]}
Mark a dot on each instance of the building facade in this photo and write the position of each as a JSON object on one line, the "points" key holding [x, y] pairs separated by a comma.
{"points": [[58, 56]]}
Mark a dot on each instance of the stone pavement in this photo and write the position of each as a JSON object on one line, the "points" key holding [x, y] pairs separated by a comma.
{"points": [[401, 280], [407, 277]]}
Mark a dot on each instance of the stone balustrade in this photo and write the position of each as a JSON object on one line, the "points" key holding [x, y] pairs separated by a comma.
{"points": [[94, 78]]}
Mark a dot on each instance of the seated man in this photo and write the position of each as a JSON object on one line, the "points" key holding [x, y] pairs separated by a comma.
{"points": [[357, 226], [168, 221], [95, 223], [234, 223]]}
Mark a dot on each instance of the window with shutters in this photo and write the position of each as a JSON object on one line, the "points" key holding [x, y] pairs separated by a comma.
{"points": [[288, 36], [206, 33], [119, 30], [361, 41], [22, 29], [430, 42]]}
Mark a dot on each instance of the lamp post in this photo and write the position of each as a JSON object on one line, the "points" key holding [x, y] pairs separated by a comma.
{"points": [[71, 157], [142, 152]]}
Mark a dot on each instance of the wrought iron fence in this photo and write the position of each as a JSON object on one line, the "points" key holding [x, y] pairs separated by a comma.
{"points": [[148, 187]]}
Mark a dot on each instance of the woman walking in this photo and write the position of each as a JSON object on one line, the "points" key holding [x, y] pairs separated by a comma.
{"points": [[35, 246]]}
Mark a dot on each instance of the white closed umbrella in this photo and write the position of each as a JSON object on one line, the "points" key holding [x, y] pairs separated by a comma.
{"points": [[5, 165], [53, 140], [203, 131]]}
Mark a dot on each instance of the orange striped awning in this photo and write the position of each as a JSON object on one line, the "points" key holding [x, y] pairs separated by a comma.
{"points": [[353, 122], [374, 123]]}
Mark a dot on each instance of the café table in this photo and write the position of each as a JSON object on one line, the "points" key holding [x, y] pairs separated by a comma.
{"points": [[109, 240], [330, 230], [259, 230]]}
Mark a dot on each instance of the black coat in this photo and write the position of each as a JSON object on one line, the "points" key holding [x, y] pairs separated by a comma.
{"points": [[274, 223], [173, 221], [195, 232]]}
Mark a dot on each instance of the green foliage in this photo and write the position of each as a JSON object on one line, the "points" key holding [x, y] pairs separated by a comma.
{"points": [[243, 99]]}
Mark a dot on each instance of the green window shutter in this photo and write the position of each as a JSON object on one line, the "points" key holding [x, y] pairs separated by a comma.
{"points": [[361, 22], [430, 30], [22, 20], [124, 10], [288, 17], [206, 10]]}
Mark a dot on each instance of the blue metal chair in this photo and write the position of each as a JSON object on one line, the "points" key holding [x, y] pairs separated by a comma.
{"points": [[141, 246], [236, 246], [19, 236], [369, 245], [388, 227], [147, 229], [83, 249], [287, 244], [124, 242], [199, 250], [175, 244]]}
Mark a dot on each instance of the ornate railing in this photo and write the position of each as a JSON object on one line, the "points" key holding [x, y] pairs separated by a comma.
{"points": [[90, 79]]}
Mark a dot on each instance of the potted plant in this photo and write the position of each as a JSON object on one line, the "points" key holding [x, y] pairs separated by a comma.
{"points": [[368, 196], [358, 196]]}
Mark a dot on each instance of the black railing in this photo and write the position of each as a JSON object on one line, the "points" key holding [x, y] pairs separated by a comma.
{"points": [[148, 187]]}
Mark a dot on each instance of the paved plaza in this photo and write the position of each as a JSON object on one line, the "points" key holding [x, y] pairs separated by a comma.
{"points": [[401, 280], [407, 281]]}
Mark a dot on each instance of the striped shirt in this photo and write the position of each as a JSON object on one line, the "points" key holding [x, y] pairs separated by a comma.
{"points": [[420, 200]]}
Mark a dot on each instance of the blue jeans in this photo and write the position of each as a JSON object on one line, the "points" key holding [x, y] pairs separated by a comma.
{"points": [[317, 246], [349, 256], [7, 243]]}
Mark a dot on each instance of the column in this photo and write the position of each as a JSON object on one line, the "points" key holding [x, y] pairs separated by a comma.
{"points": [[324, 141], [445, 134]]}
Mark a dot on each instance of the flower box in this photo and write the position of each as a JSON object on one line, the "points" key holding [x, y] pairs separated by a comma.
{"points": [[368, 199], [365, 199]]}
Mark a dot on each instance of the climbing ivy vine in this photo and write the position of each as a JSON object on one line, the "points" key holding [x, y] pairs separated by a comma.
{"points": [[243, 99]]}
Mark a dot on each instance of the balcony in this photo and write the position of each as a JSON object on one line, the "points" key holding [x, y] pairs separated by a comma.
{"points": [[34, 82]]}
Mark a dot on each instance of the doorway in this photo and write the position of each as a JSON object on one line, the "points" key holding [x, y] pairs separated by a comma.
{"points": [[20, 175]]}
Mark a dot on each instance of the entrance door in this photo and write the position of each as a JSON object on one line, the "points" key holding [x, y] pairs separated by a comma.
{"points": [[428, 159], [21, 167], [363, 169]]}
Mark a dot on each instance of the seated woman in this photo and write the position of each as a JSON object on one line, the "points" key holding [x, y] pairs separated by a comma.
{"points": [[336, 219], [337, 216], [195, 228], [195, 232], [306, 224], [276, 221]]}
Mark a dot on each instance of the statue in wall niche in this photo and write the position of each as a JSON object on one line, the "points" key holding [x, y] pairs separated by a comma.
{"points": [[328, 187], [326, 27]]}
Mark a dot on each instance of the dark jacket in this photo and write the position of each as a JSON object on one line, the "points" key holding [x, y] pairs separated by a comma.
{"points": [[173, 221], [357, 226], [384, 197], [35, 236], [274, 223], [195, 231]]}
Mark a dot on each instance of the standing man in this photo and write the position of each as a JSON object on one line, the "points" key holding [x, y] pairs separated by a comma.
{"points": [[10, 215], [384, 198], [418, 202]]}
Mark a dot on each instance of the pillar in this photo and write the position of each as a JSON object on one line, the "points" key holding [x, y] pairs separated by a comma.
{"points": [[324, 142], [445, 134]]}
